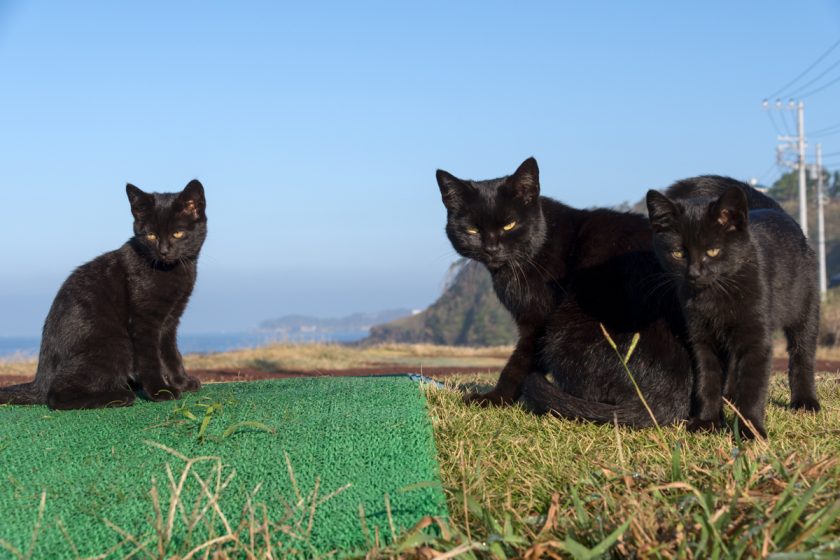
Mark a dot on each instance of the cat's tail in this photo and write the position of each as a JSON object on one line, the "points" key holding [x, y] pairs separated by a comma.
{"points": [[25, 393], [543, 397]]}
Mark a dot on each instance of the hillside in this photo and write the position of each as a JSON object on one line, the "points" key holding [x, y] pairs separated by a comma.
{"points": [[832, 229], [468, 313], [293, 325]]}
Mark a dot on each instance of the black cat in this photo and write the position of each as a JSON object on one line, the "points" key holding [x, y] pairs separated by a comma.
{"points": [[560, 272], [112, 326], [740, 275]]}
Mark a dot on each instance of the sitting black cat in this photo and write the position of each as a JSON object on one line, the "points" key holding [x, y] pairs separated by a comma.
{"points": [[112, 326], [740, 274]]}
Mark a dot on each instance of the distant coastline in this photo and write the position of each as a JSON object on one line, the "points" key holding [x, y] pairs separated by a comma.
{"points": [[26, 348]]}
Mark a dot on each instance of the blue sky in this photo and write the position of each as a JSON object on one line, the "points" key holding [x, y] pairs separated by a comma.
{"points": [[316, 128]]}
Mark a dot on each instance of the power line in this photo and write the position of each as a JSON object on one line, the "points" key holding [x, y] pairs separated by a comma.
{"points": [[819, 89], [773, 178], [804, 72], [792, 120], [783, 112], [795, 92], [827, 131], [773, 166], [773, 122]]}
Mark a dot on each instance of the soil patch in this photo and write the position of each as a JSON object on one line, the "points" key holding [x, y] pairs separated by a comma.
{"points": [[227, 375]]}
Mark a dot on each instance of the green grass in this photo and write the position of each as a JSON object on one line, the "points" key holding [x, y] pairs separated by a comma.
{"points": [[520, 484]]}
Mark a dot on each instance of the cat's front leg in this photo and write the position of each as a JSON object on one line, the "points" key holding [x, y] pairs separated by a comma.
{"points": [[708, 389], [148, 363], [173, 361], [519, 365], [730, 374], [754, 370]]}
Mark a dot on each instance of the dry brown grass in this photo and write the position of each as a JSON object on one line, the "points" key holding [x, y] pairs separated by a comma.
{"points": [[317, 357], [13, 366], [313, 357], [320, 357]]}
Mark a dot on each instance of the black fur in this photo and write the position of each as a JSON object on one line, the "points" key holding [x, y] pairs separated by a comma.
{"points": [[740, 275], [112, 327], [560, 272], [712, 186]]}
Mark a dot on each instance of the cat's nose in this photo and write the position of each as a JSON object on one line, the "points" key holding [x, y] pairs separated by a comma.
{"points": [[492, 248], [694, 272]]}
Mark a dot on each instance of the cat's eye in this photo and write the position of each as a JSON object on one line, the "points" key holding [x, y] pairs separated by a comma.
{"points": [[472, 231], [510, 226], [713, 252], [151, 236], [677, 254], [178, 234]]}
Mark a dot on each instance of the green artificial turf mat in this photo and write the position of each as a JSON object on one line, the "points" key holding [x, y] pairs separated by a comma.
{"points": [[369, 433]]}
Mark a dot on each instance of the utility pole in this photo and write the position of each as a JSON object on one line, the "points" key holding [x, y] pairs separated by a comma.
{"points": [[821, 224], [796, 144], [800, 133]]}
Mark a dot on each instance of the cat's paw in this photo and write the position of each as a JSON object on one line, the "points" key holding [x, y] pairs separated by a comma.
{"points": [[810, 404], [162, 393], [701, 425], [188, 383], [71, 400], [754, 430], [491, 398]]}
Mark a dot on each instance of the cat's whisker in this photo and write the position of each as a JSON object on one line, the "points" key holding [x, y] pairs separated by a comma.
{"points": [[524, 282], [657, 276], [450, 254], [727, 286], [663, 283], [547, 275], [515, 274], [661, 279], [541, 270]]}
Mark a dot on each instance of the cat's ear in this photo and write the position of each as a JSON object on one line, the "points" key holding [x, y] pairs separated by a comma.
{"points": [[731, 210], [141, 202], [191, 200], [451, 188], [526, 181], [661, 211]]}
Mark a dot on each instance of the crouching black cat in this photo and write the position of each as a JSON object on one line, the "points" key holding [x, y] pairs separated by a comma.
{"points": [[112, 327], [561, 272]]}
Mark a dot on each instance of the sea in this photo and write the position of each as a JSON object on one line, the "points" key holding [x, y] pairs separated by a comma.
{"points": [[22, 348]]}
